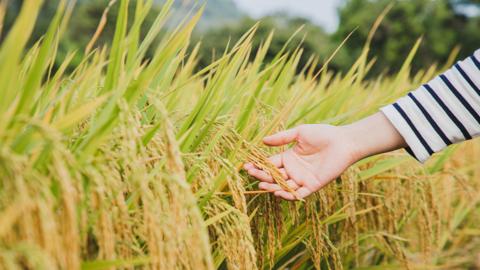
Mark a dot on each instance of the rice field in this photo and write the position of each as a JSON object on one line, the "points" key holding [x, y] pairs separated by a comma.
{"points": [[130, 162]]}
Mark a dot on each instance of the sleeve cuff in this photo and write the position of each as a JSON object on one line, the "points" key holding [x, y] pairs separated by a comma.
{"points": [[414, 148]]}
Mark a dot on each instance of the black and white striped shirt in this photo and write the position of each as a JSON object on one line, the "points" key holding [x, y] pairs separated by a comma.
{"points": [[444, 111]]}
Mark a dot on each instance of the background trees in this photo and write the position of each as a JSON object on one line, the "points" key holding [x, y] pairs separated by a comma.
{"points": [[443, 24]]}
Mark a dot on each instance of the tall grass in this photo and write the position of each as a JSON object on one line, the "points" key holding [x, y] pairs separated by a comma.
{"points": [[129, 163]]}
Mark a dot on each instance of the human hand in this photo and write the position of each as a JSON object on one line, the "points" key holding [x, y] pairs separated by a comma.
{"points": [[322, 153]]}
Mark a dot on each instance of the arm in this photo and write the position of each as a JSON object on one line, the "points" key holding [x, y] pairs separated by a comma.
{"points": [[373, 135], [442, 112], [322, 152]]}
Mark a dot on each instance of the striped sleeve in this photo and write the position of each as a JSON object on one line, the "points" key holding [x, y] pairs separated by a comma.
{"points": [[444, 111]]}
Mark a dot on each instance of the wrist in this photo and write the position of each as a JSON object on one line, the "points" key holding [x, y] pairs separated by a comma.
{"points": [[358, 148], [372, 135]]}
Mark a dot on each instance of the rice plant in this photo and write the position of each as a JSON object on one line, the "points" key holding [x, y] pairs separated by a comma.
{"points": [[129, 162]]}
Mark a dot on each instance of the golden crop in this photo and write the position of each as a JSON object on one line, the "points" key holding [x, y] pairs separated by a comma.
{"points": [[132, 163]]}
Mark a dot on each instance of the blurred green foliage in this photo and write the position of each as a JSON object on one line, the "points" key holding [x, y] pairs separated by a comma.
{"points": [[443, 24], [314, 41], [82, 25]]}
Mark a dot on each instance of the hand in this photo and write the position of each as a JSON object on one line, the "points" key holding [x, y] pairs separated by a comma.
{"points": [[322, 153]]}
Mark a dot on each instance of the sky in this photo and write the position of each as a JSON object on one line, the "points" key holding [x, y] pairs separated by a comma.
{"points": [[321, 12]]}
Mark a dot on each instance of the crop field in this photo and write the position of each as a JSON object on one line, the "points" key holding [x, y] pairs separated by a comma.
{"points": [[129, 162]]}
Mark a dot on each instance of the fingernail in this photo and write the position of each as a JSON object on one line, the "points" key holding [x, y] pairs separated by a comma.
{"points": [[267, 138]]}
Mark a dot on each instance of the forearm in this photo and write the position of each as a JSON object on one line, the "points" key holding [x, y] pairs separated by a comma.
{"points": [[446, 110], [373, 135]]}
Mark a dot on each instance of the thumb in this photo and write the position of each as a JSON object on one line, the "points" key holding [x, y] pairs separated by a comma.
{"points": [[281, 138]]}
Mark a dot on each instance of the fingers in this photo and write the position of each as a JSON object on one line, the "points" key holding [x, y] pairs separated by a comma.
{"points": [[285, 195], [260, 175], [275, 160], [302, 192], [284, 173], [281, 138], [248, 166], [275, 187], [264, 176]]}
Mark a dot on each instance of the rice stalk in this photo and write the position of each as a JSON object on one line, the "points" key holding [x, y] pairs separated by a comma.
{"points": [[135, 163]]}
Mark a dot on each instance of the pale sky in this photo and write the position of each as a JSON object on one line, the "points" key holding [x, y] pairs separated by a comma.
{"points": [[321, 12]]}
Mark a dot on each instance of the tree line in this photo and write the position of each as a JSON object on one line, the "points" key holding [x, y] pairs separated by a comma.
{"points": [[442, 24]]}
